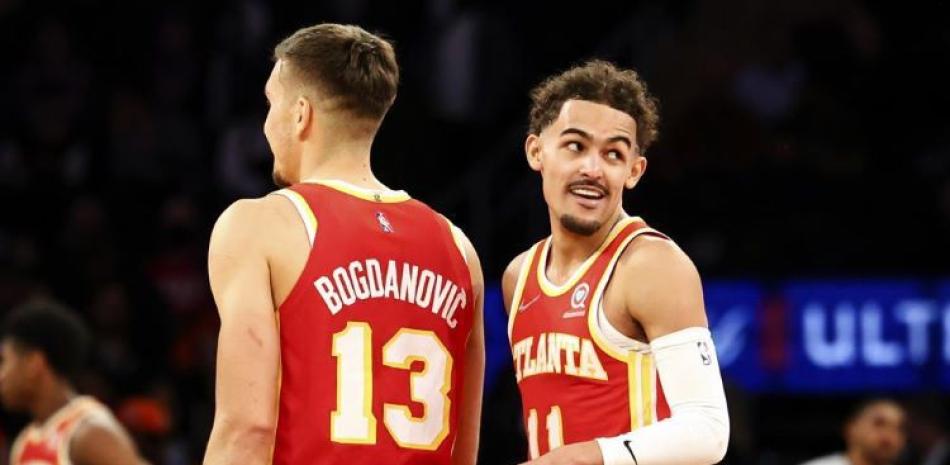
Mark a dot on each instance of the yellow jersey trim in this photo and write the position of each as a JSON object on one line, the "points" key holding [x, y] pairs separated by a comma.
{"points": [[382, 196], [523, 274], [280, 380], [648, 390], [641, 388], [303, 209], [635, 389], [553, 290], [458, 237], [598, 297]]}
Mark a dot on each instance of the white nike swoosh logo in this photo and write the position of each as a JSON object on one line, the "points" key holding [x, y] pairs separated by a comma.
{"points": [[524, 306]]}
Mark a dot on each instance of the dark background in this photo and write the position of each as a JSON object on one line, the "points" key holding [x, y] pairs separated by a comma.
{"points": [[798, 139]]}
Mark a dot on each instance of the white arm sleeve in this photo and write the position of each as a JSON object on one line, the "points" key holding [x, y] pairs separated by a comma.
{"points": [[697, 431]]}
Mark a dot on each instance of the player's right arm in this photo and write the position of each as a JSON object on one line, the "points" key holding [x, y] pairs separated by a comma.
{"points": [[248, 356], [509, 279]]}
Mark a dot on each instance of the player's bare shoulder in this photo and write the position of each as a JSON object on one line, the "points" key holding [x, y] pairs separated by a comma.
{"points": [[509, 279], [101, 439], [265, 231], [650, 252], [661, 287], [254, 225]]}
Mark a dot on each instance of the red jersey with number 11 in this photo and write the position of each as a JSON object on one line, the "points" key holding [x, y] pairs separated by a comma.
{"points": [[373, 335], [576, 384]]}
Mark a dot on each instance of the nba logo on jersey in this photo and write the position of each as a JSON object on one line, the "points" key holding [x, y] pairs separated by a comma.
{"points": [[384, 222], [579, 297], [704, 352]]}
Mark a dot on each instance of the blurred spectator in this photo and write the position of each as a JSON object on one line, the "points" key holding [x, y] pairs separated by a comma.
{"points": [[149, 419], [51, 92], [873, 434], [927, 430]]}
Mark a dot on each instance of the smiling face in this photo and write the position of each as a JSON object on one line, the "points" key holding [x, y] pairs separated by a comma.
{"points": [[586, 157]]}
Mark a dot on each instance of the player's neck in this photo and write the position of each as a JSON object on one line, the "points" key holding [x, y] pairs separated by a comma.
{"points": [[347, 162], [54, 398], [569, 250]]}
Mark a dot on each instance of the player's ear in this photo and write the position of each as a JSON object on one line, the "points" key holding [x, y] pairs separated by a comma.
{"points": [[303, 116], [636, 171], [532, 150]]}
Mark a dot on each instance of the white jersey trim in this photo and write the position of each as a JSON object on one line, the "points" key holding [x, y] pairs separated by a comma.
{"points": [[608, 338], [303, 209]]}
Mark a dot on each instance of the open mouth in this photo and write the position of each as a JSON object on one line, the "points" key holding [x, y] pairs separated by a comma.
{"points": [[588, 196], [588, 192]]}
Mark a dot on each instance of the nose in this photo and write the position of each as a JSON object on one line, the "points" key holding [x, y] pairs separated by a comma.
{"points": [[591, 165]]}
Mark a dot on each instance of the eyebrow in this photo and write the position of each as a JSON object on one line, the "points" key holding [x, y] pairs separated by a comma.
{"points": [[587, 136], [578, 132], [624, 139]]}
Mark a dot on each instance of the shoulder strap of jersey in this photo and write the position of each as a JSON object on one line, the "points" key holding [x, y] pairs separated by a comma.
{"points": [[617, 248], [529, 263], [83, 410], [383, 196], [632, 228], [457, 237], [303, 209], [17, 448]]}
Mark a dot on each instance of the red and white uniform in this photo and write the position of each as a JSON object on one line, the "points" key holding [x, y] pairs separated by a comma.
{"points": [[48, 443], [373, 334], [580, 378]]}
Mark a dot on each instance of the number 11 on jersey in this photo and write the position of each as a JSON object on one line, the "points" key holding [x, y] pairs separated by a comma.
{"points": [[554, 425]]}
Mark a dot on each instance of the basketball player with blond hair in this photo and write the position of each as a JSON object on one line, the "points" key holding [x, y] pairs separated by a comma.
{"points": [[351, 328]]}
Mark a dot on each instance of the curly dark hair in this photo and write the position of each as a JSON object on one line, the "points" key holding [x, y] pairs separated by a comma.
{"points": [[52, 329], [601, 82]]}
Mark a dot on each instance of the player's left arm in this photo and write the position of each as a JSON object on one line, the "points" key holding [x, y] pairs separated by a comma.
{"points": [[101, 442], [465, 451], [662, 291]]}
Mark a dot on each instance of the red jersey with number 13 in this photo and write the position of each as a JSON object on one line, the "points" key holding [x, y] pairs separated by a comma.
{"points": [[373, 334]]}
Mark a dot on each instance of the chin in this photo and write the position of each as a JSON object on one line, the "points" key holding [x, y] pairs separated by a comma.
{"points": [[580, 225]]}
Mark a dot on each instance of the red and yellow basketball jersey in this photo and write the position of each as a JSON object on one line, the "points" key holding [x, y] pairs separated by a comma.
{"points": [[373, 334], [576, 385], [48, 443]]}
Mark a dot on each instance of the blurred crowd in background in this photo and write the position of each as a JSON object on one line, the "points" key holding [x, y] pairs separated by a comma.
{"points": [[798, 138]]}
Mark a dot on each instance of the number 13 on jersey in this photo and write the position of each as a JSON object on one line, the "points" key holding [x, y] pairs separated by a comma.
{"points": [[353, 421]]}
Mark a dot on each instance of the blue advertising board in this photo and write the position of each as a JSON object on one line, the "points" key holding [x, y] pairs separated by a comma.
{"points": [[811, 336]]}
